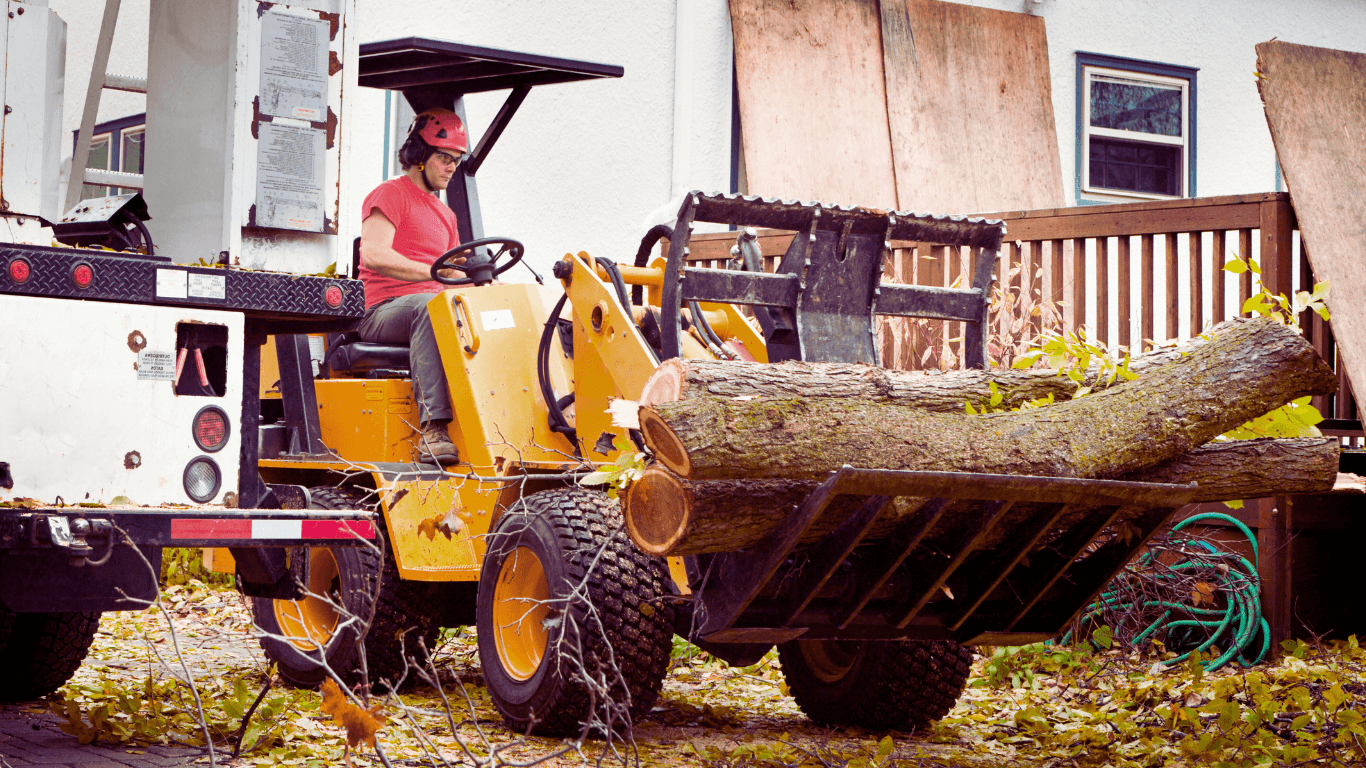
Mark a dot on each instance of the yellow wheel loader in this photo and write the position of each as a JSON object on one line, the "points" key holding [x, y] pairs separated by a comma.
{"points": [[574, 622]]}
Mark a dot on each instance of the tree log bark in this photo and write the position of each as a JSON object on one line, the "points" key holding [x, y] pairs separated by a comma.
{"points": [[1248, 368], [941, 392], [669, 515]]}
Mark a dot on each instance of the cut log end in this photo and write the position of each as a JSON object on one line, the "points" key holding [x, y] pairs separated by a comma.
{"points": [[665, 385], [668, 448], [656, 508]]}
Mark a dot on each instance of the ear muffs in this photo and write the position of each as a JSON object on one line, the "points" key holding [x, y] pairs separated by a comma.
{"points": [[414, 150]]}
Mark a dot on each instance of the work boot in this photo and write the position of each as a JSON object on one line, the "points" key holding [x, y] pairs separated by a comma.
{"points": [[436, 444]]}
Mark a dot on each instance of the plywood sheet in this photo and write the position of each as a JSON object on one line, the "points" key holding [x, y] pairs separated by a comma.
{"points": [[1315, 100], [812, 103], [970, 108]]}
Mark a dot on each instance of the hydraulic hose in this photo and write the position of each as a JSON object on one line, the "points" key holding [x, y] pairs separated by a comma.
{"points": [[556, 406], [657, 232]]}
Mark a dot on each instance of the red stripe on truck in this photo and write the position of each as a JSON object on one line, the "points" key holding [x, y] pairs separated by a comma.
{"points": [[201, 528], [208, 528], [338, 529]]}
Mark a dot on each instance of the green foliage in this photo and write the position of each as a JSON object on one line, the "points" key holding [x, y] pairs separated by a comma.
{"points": [[785, 754], [1079, 358], [183, 565], [1111, 710], [1283, 309], [1294, 419], [162, 711], [620, 473], [1024, 666]]}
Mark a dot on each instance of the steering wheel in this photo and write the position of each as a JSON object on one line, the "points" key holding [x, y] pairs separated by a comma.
{"points": [[480, 268]]}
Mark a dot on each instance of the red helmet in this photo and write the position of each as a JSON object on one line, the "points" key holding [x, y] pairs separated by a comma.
{"points": [[442, 129]]}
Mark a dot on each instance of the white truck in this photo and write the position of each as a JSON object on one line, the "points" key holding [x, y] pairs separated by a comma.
{"points": [[130, 378]]}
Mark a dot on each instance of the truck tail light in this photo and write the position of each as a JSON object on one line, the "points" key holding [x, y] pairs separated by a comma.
{"points": [[82, 275], [211, 430], [202, 479], [333, 296], [19, 270]]}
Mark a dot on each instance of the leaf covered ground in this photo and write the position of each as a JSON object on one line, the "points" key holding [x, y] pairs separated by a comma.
{"points": [[1036, 705]]}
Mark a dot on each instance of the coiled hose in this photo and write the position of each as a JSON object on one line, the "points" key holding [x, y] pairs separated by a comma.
{"points": [[1162, 595]]}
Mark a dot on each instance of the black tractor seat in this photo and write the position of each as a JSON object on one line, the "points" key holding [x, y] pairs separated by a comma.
{"points": [[346, 353]]}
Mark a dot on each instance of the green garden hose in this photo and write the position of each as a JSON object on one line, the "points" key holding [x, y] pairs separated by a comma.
{"points": [[1161, 594]]}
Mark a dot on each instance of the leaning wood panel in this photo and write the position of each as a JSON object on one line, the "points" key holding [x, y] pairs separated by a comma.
{"points": [[1315, 101], [813, 107], [969, 106]]}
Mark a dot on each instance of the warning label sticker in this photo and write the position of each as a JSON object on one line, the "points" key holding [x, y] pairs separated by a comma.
{"points": [[171, 283], [207, 286], [156, 366]]}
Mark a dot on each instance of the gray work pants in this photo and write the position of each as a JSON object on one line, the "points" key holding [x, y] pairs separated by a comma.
{"points": [[404, 320]]}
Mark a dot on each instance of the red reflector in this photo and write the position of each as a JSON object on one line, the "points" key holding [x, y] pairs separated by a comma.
{"points": [[18, 270], [211, 429], [338, 529], [210, 529], [333, 296], [83, 275]]}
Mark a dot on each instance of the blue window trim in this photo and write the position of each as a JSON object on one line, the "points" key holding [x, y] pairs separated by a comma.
{"points": [[1085, 59], [114, 128]]}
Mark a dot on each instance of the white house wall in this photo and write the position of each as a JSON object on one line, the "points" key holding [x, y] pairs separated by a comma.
{"points": [[582, 164], [1233, 146]]}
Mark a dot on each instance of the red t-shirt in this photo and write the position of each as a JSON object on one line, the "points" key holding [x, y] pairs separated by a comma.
{"points": [[425, 228]]}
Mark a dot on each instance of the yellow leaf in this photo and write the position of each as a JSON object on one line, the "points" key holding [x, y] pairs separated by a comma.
{"points": [[429, 527], [1203, 593], [360, 724]]}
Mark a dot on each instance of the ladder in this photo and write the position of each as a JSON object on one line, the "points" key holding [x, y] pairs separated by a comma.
{"points": [[100, 79]]}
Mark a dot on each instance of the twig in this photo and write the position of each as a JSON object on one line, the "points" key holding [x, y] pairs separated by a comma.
{"points": [[246, 718]]}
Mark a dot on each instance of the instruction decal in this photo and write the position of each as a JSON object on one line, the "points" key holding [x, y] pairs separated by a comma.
{"points": [[294, 66], [171, 284], [290, 162], [496, 319], [154, 365], [207, 286]]}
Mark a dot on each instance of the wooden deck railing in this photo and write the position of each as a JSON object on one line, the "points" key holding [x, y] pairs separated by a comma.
{"points": [[1133, 274]]}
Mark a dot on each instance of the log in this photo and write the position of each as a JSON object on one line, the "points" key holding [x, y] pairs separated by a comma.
{"points": [[938, 391], [669, 515], [1247, 368]]}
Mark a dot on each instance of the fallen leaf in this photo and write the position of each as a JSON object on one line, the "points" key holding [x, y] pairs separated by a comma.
{"points": [[1203, 593], [945, 589], [360, 724]]}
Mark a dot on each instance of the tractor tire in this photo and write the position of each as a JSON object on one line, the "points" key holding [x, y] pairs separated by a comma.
{"points": [[42, 651], [564, 597], [306, 637], [898, 685]]}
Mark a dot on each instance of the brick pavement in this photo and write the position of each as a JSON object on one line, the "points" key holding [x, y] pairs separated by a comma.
{"points": [[29, 737]]}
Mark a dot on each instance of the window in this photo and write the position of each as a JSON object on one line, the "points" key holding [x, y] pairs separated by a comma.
{"points": [[99, 158], [118, 145], [1135, 130]]}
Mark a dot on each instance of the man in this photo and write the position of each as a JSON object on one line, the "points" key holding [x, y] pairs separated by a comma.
{"points": [[404, 228]]}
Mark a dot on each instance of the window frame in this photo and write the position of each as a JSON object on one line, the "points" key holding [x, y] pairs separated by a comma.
{"points": [[114, 131], [1134, 69]]}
